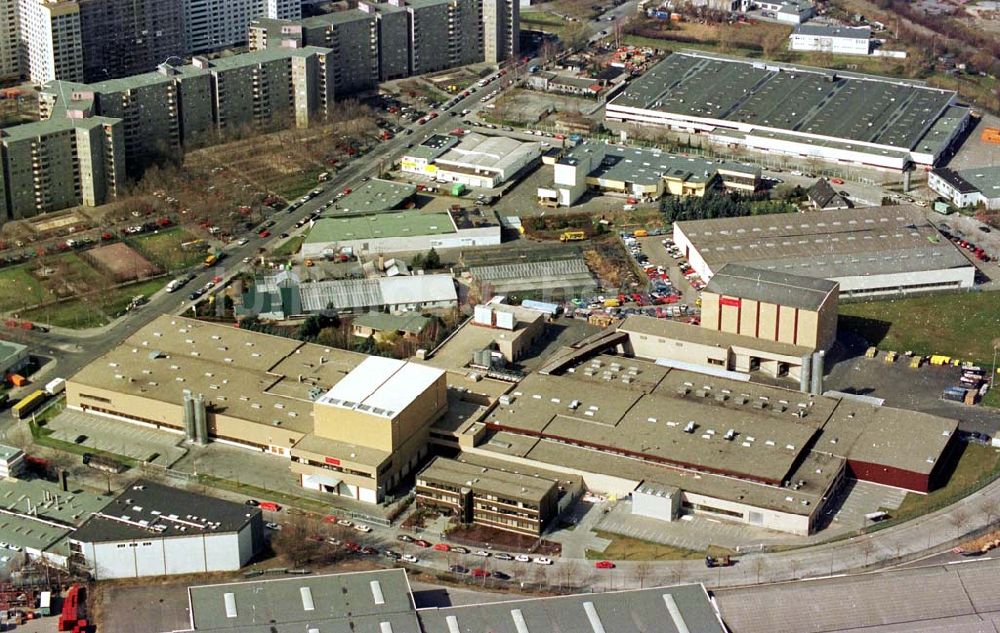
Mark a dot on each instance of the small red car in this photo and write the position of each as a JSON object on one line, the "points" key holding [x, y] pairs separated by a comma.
{"points": [[421, 543], [442, 547], [265, 233], [604, 564], [479, 572], [837, 181]]}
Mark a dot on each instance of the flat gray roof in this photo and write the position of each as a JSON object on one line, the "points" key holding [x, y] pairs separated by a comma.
{"points": [[245, 370], [961, 598], [357, 602], [825, 30], [649, 166], [986, 180], [614, 417], [680, 609], [510, 481], [374, 196], [562, 273], [854, 107], [826, 244], [797, 291], [150, 510], [908, 440]]}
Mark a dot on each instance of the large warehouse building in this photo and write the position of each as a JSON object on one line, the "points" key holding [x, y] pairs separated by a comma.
{"points": [[869, 252], [155, 530], [796, 111], [351, 425], [712, 445], [644, 174], [406, 231], [474, 160], [382, 601]]}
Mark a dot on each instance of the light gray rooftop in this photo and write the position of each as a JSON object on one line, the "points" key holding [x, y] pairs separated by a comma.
{"points": [[680, 609], [824, 30], [941, 599], [852, 107], [828, 244], [357, 602]]}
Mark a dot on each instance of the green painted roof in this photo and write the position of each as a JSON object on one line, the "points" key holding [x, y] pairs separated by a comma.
{"points": [[402, 224], [52, 126], [374, 196], [409, 323]]}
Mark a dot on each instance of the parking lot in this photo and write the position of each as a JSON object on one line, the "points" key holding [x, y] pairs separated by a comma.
{"points": [[121, 438], [908, 388]]}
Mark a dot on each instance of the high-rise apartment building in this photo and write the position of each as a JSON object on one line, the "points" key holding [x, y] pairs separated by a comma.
{"points": [[128, 37], [50, 43], [95, 40], [352, 35], [179, 107], [59, 163], [10, 64], [380, 41], [216, 24], [501, 27]]}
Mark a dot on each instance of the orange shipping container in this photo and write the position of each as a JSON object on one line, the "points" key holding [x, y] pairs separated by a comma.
{"points": [[18, 380], [991, 135]]}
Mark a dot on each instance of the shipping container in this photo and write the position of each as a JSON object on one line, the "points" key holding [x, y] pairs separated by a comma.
{"points": [[54, 386]]}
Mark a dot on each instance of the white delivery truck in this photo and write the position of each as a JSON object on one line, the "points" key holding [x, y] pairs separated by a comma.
{"points": [[54, 386]]}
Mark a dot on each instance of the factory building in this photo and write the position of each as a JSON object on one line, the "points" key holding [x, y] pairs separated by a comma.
{"points": [[38, 518], [642, 174], [967, 188], [371, 429], [404, 231], [805, 113], [876, 251], [665, 341], [713, 444], [474, 160], [382, 601], [788, 11], [155, 530], [769, 305], [835, 40], [351, 425]]}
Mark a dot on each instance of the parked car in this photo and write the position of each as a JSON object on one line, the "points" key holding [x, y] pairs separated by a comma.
{"points": [[272, 526], [543, 560], [442, 547], [458, 569], [421, 543], [392, 554], [499, 575], [458, 549], [522, 558], [410, 558], [360, 527], [481, 552], [604, 564], [344, 523], [479, 572], [503, 556], [406, 538]]}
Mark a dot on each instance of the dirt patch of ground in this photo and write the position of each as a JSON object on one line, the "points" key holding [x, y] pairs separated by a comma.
{"points": [[121, 261]]}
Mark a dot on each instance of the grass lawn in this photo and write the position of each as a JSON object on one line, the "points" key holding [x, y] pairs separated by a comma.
{"points": [[958, 325], [87, 313], [164, 249], [626, 548], [992, 398], [976, 464], [18, 288], [290, 246]]}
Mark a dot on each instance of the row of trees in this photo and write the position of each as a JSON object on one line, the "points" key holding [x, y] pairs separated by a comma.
{"points": [[715, 205]]}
